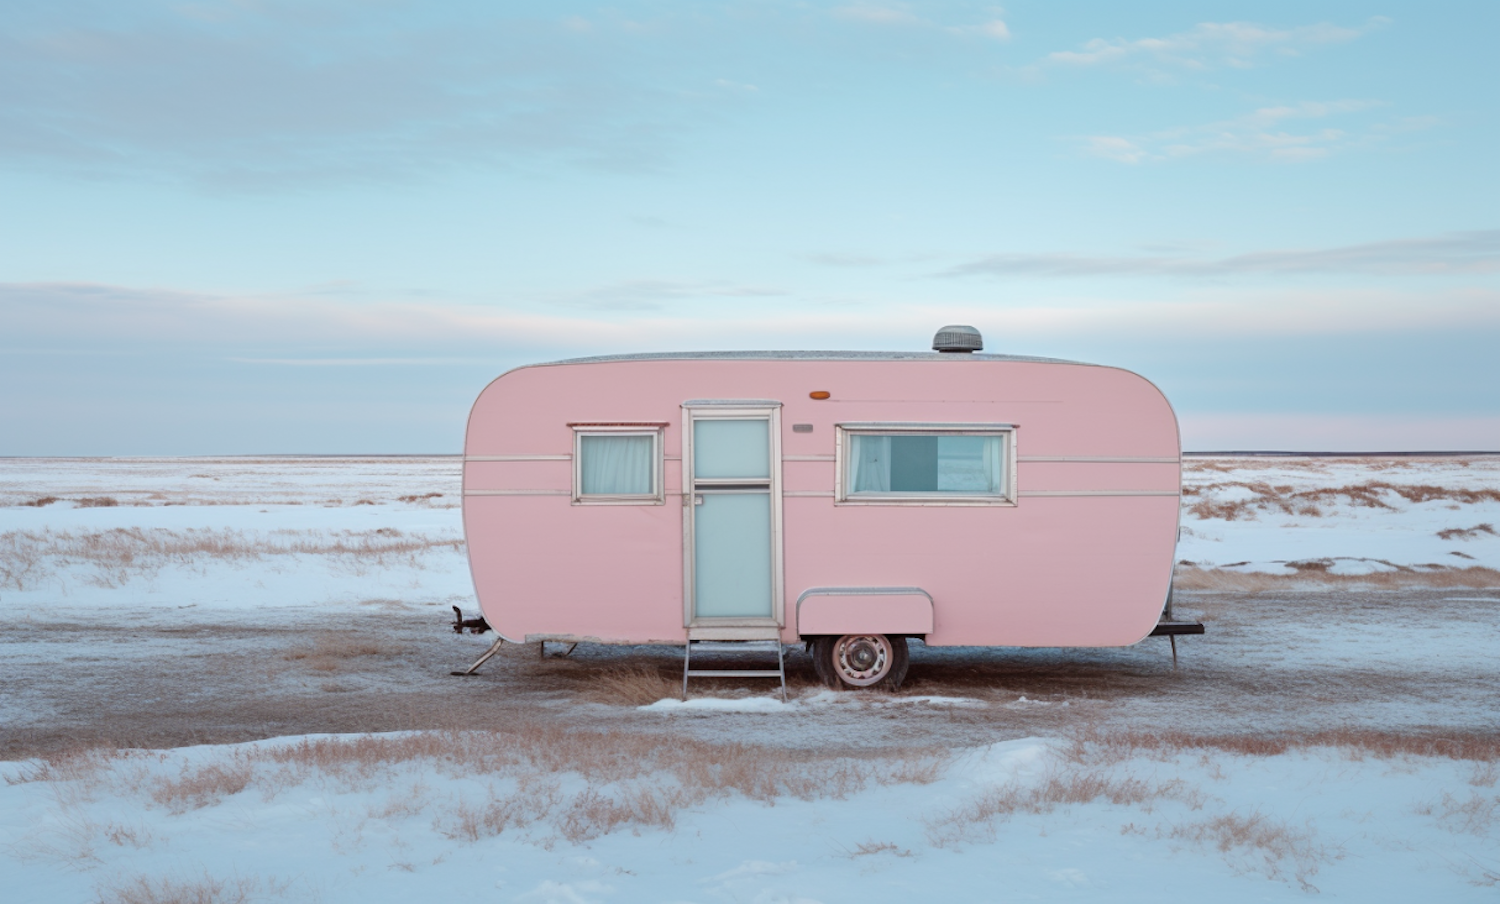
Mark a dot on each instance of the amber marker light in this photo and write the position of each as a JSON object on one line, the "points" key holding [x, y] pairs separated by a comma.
{"points": [[820, 395]]}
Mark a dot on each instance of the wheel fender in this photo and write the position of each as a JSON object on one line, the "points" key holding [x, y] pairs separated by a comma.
{"points": [[864, 610]]}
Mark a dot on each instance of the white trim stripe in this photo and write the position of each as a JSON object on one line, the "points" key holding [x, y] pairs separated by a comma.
{"points": [[518, 493], [1100, 459], [518, 458], [1099, 493]]}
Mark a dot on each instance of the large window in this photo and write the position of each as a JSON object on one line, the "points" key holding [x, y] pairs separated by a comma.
{"points": [[925, 463], [617, 465]]}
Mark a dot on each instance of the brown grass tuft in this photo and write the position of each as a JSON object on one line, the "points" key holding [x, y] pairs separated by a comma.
{"points": [[207, 890], [1260, 496], [1313, 573], [1267, 845], [1475, 814], [1095, 748], [639, 685], [1466, 533], [976, 820], [98, 502], [870, 848], [41, 501], [79, 764], [194, 789]]}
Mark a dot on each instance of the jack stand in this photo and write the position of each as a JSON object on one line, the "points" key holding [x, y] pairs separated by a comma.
{"points": [[494, 648]]}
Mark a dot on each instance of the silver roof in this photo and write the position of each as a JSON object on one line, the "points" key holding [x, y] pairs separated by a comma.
{"points": [[809, 356]]}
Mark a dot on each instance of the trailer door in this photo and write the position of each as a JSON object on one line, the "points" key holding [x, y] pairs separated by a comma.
{"points": [[732, 499]]}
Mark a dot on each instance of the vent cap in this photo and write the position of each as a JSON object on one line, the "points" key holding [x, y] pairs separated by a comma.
{"points": [[957, 338]]}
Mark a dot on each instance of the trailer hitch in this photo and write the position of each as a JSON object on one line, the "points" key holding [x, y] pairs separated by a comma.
{"points": [[474, 625]]}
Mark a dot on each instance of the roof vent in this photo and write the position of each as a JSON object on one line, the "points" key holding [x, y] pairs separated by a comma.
{"points": [[957, 338]]}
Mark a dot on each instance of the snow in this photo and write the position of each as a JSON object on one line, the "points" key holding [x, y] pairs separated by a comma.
{"points": [[1356, 533], [300, 536], [718, 704], [822, 698], [1219, 826]]}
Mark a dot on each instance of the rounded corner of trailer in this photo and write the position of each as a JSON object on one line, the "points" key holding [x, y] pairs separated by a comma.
{"points": [[479, 397], [1160, 393]]}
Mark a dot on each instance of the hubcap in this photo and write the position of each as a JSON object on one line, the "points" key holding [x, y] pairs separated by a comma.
{"points": [[862, 659]]}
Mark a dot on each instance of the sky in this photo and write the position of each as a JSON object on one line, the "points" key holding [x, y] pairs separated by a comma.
{"points": [[241, 227]]}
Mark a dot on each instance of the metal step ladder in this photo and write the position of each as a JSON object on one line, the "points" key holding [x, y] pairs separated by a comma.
{"points": [[733, 640]]}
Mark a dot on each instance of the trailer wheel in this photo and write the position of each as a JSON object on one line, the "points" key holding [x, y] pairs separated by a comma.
{"points": [[860, 660]]}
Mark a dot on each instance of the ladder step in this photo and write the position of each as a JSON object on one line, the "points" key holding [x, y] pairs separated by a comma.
{"points": [[734, 673], [737, 632], [735, 646]]}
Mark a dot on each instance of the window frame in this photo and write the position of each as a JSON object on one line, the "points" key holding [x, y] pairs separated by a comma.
{"points": [[658, 494], [843, 447]]}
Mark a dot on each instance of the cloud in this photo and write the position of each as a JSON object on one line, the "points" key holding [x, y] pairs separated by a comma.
{"points": [[272, 94], [1458, 253], [334, 332], [1211, 45], [1268, 132], [1336, 431]]}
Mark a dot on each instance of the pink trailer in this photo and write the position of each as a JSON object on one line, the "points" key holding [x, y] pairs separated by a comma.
{"points": [[848, 500]]}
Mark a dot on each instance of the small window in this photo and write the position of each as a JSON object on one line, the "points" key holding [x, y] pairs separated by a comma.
{"points": [[932, 464], [617, 465]]}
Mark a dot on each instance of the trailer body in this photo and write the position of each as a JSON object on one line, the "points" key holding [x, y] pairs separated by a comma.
{"points": [[966, 499]]}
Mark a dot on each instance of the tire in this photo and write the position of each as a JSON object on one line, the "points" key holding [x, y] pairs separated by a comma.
{"points": [[860, 660]]}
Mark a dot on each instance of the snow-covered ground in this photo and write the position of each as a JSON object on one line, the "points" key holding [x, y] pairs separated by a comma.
{"points": [[669, 801], [1310, 516], [481, 817]]}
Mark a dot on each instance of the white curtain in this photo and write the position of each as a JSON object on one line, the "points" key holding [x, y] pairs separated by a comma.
{"points": [[870, 464], [617, 465]]}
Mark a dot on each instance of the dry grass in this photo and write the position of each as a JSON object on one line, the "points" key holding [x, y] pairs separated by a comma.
{"points": [[1466, 533], [1060, 788], [1261, 496], [554, 783], [1314, 573], [1095, 768], [203, 786], [638, 685], [871, 848], [1259, 843], [41, 501], [27, 557], [1323, 464], [1475, 814], [98, 502], [80, 764], [333, 651], [207, 890], [1095, 748]]}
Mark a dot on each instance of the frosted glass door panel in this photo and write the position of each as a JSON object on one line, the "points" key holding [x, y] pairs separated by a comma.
{"points": [[732, 554], [726, 449]]}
